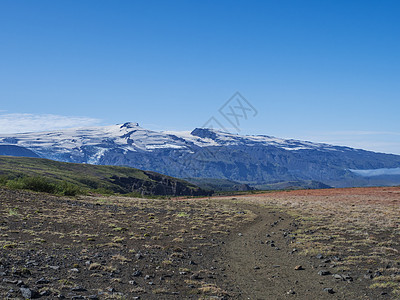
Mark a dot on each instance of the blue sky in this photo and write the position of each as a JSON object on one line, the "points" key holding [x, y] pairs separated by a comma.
{"points": [[325, 71]]}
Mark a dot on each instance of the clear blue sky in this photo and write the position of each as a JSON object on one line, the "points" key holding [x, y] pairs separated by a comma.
{"points": [[317, 70]]}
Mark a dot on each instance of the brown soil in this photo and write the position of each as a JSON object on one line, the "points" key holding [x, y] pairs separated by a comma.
{"points": [[124, 248], [381, 195], [265, 271]]}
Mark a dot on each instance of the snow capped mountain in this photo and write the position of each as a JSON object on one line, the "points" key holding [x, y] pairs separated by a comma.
{"points": [[132, 137], [77, 141], [204, 153]]}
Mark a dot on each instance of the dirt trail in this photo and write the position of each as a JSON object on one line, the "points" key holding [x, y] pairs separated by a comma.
{"points": [[265, 271]]}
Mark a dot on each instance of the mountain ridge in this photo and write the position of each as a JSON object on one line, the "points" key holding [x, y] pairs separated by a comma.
{"points": [[206, 153]]}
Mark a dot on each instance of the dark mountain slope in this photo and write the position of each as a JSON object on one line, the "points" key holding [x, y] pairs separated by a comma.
{"points": [[12, 150], [117, 179]]}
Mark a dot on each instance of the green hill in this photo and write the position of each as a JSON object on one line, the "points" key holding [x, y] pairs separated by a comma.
{"points": [[42, 174]]}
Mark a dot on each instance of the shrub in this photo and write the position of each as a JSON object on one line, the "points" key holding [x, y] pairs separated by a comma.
{"points": [[69, 189], [38, 184], [13, 212], [44, 185], [15, 184], [3, 180]]}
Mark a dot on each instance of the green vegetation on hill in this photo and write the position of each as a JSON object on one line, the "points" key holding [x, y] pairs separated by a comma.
{"points": [[41, 184], [45, 175]]}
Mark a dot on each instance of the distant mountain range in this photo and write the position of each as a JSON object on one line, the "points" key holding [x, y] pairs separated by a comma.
{"points": [[205, 153]]}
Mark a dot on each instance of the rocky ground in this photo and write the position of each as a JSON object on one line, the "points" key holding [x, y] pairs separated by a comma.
{"points": [[337, 244]]}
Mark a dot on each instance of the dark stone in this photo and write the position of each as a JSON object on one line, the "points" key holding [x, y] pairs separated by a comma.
{"points": [[20, 283], [329, 290], [347, 278], [137, 273], [42, 281], [45, 293], [195, 277], [324, 272], [378, 273], [27, 293], [6, 280], [78, 289]]}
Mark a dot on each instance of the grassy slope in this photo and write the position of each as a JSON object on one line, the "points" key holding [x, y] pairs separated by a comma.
{"points": [[82, 175]]}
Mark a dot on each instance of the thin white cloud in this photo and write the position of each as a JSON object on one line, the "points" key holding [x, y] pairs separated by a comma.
{"points": [[23, 122], [378, 141]]}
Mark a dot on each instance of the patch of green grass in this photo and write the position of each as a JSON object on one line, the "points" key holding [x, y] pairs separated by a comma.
{"points": [[10, 246], [182, 214], [120, 229], [13, 212]]}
